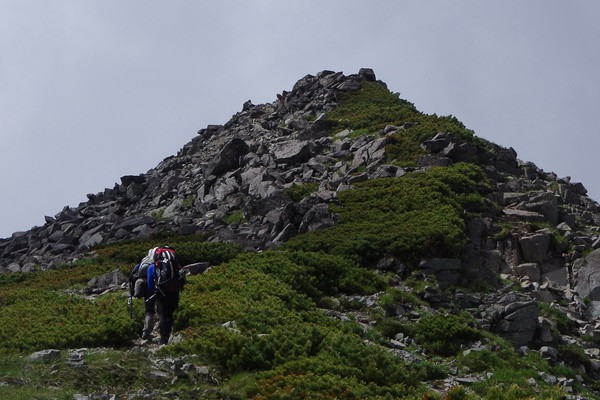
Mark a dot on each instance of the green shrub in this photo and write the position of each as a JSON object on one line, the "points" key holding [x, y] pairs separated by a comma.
{"points": [[298, 192], [280, 333], [389, 327], [234, 217], [158, 214], [190, 249], [417, 215], [370, 109], [573, 355], [394, 296], [34, 319], [214, 253], [314, 274], [259, 290], [404, 149], [187, 202], [445, 334], [351, 369], [563, 323]]}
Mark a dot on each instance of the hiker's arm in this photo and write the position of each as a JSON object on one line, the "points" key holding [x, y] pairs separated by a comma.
{"points": [[150, 277]]}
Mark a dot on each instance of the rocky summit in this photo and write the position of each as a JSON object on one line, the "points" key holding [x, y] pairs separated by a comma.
{"points": [[276, 171]]}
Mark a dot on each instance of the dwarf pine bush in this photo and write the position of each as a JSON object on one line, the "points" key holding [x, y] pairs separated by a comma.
{"points": [[33, 319], [297, 192], [373, 107], [190, 249], [258, 313], [445, 334], [417, 215]]}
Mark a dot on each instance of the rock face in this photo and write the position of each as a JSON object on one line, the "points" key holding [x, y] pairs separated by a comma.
{"points": [[588, 280], [245, 168]]}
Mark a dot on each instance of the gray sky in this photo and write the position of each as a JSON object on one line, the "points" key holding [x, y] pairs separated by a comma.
{"points": [[92, 90]]}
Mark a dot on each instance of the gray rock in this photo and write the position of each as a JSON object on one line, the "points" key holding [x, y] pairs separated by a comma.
{"points": [[535, 248], [45, 356], [93, 240], [519, 325], [292, 152], [129, 179], [196, 268], [549, 353], [108, 280], [446, 270], [535, 216], [434, 161], [368, 74], [460, 151], [587, 281], [228, 158], [438, 143], [371, 152], [14, 267], [318, 217], [530, 270], [546, 204]]}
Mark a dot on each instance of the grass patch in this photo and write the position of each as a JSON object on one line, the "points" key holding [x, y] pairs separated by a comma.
{"points": [[298, 192], [234, 217]]}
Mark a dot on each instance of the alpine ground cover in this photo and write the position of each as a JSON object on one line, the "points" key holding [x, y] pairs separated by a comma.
{"points": [[255, 322], [417, 215], [368, 110]]}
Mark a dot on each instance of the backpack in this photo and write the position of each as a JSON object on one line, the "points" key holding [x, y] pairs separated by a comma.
{"points": [[168, 275], [137, 285]]}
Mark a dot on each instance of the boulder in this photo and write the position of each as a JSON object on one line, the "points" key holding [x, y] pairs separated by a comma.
{"points": [[292, 152], [368, 74], [518, 322], [318, 217], [446, 270], [129, 179], [196, 268], [534, 248], [229, 157], [530, 270], [45, 356], [111, 279], [587, 279], [371, 152]]}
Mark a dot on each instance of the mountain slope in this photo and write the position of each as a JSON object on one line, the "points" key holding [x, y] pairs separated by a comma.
{"points": [[400, 255]]}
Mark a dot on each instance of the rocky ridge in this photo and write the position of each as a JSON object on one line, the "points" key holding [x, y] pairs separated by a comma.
{"points": [[232, 182]]}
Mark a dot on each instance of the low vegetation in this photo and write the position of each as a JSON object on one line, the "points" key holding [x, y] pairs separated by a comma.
{"points": [[313, 319], [373, 107], [255, 318], [297, 192], [419, 215]]}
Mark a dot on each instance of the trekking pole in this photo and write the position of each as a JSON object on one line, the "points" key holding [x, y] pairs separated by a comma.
{"points": [[130, 303]]}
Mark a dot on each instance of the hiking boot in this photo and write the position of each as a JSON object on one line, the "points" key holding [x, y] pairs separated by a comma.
{"points": [[147, 336], [163, 340]]}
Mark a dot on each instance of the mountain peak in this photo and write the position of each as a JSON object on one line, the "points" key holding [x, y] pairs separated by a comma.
{"points": [[328, 132], [410, 216]]}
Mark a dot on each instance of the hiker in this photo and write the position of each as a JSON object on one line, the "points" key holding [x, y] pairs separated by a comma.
{"points": [[149, 299], [165, 281]]}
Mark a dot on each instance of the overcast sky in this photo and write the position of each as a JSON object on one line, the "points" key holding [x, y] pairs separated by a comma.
{"points": [[91, 90]]}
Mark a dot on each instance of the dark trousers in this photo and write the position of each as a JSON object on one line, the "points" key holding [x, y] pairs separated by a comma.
{"points": [[165, 307], [149, 311]]}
